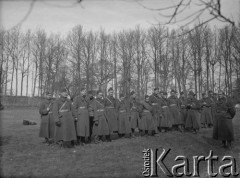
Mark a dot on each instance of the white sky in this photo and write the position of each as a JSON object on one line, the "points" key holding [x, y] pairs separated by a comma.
{"points": [[59, 16], [111, 15]]}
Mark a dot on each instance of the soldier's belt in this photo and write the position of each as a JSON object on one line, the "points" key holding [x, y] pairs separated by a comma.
{"points": [[82, 107], [173, 105], [164, 106], [146, 111], [64, 110], [100, 110], [154, 103], [110, 107], [122, 111]]}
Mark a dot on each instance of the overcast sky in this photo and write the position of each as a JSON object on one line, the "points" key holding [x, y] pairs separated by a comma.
{"points": [[111, 15]]}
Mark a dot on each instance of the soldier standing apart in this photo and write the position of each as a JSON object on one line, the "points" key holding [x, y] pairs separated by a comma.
{"points": [[174, 108], [166, 121], [62, 112], [134, 113], [146, 124], [193, 107], [81, 115], [206, 115], [110, 104], [124, 125], [47, 127], [155, 102], [183, 111], [91, 114], [100, 126], [213, 101], [223, 128]]}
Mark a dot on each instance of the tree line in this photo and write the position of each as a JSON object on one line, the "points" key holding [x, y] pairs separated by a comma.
{"points": [[139, 59]]}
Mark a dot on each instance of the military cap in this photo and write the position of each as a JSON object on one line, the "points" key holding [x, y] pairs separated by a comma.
{"points": [[221, 92], [191, 93], [63, 90], [210, 91], [121, 95], [99, 91], [132, 93], [110, 89], [83, 88], [48, 93]]}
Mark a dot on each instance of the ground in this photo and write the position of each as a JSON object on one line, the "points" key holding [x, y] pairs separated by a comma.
{"points": [[24, 155]]}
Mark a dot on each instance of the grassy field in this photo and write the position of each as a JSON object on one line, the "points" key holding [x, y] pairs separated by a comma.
{"points": [[24, 155]]}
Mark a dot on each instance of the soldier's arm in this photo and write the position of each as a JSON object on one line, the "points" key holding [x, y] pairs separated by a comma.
{"points": [[55, 111], [231, 108], [94, 109], [42, 109], [74, 107]]}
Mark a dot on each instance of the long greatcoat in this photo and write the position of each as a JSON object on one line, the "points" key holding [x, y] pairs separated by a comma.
{"points": [[174, 109], [183, 111], [166, 120], [223, 127], [156, 105], [81, 112], [110, 104], [62, 111], [146, 121], [47, 126], [124, 124], [100, 117], [206, 114], [134, 112], [193, 115]]}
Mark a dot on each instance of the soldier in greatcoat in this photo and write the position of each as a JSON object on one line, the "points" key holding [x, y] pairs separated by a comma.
{"points": [[183, 111], [62, 112], [124, 125], [206, 114], [91, 115], [193, 108], [213, 101], [146, 124], [47, 126], [134, 113], [81, 115], [155, 102], [101, 125], [174, 108], [166, 119], [223, 127], [110, 104]]}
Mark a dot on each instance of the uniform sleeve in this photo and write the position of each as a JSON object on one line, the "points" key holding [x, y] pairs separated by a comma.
{"points": [[74, 107], [231, 109], [55, 111], [94, 110], [42, 109]]}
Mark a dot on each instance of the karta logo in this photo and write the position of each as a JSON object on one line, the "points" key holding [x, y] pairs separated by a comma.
{"points": [[153, 162]]}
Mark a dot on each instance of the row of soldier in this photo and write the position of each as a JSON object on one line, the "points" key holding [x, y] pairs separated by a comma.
{"points": [[88, 118]]}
